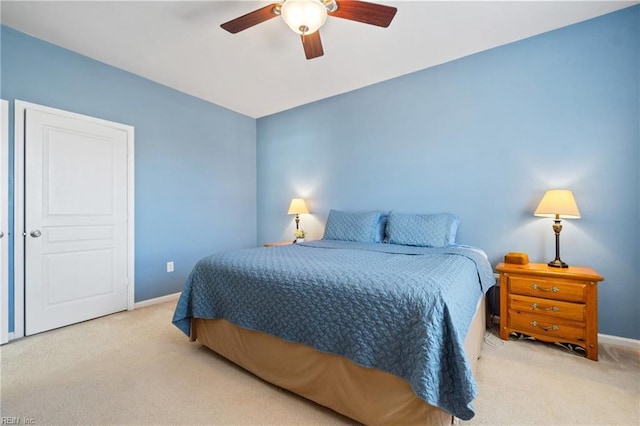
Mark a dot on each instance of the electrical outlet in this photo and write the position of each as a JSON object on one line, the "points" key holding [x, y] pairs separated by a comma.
{"points": [[170, 266]]}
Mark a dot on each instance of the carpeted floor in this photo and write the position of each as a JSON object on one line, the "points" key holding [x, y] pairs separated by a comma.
{"points": [[137, 368]]}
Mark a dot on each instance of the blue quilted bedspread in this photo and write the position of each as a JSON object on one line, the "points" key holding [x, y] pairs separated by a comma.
{"points": [[401, 309]]}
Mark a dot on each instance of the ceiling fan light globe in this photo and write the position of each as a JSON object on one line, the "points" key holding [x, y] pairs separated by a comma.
{"points": [[304, 16]]}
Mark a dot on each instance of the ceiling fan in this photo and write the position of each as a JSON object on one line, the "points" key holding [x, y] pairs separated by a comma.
{"points": [[305, 17]]}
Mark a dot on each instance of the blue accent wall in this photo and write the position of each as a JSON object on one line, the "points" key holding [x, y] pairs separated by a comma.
{"points": [[195, 162], [484, 137]]}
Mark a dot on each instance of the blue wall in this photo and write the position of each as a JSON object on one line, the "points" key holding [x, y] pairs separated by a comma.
{"points": [[195, 162], [484, 137]]}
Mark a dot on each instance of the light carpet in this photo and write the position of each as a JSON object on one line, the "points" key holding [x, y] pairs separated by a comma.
{"points": [[137, 368]]}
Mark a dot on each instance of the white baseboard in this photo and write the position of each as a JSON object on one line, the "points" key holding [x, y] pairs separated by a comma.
{"points": [[155, 301], [619, 341]]}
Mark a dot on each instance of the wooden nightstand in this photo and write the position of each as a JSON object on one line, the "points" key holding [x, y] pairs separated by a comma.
{"points": [[550, 304], [279, 243]]}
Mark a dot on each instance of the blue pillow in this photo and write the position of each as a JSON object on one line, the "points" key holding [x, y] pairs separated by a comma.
{"points": [[424, 230], [352, 226]]}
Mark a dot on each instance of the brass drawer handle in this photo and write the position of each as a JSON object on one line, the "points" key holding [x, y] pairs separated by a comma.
{"points": [[535, 306], [553, 289], [547, 328]]}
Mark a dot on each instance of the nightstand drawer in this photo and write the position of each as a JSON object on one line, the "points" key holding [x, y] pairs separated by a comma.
{"points": [[548, 307], [548, 288], [556, 328]]}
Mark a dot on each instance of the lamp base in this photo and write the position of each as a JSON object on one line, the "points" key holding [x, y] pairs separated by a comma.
{"points": [[557, 263]]}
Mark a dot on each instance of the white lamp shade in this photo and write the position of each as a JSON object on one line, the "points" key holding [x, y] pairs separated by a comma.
{"points": [[298, 206], [304, 16], [560, 203]]}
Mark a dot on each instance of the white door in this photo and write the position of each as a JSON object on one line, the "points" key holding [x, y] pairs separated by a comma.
{"points": [[76, 211], [4, 221]]}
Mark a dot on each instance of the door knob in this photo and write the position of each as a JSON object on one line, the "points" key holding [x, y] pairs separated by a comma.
{"points": [[1, 234], [35, 234]]}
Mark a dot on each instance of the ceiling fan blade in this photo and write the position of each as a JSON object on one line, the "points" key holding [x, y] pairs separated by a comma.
{"points": [[250, 19], [365, 12], [312, 45]]}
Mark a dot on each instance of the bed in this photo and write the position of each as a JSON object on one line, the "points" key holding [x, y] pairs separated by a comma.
{"points": [[378, 326]]}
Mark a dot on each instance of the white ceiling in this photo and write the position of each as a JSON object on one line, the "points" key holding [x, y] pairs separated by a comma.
{"points": [[263, 70]]}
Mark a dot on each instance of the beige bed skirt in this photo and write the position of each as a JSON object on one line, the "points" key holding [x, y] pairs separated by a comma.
{"points": [[367, 395]]}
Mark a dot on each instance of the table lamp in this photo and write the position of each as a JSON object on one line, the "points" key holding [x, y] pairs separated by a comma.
{"points": [[558, 204], [297, 207]]}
